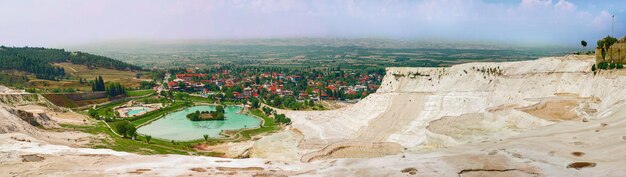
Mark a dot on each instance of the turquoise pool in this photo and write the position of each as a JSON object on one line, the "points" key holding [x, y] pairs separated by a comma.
{"points": [[137, 111], [176, 126]]}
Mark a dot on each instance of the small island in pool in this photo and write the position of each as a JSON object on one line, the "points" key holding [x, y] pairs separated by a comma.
{"points": [[218, 114]]}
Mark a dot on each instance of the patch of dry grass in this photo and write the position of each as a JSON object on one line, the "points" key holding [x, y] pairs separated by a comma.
{"points": [[109, 75]]}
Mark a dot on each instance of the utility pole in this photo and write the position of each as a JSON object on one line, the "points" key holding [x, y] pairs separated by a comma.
{"points": [[612, 24]]}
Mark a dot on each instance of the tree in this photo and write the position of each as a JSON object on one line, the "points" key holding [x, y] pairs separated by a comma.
{"points": [[583, 43], [114, 89], [255, 103], [148, 137], [98, 84], [121, 128], [219, 109], [131, 130], [126, 129], [605, 44], [181, 85], [229, 95], [147, 85], [206, 137], [267, 110], [601, 46], [92, 113], [276, 102], [94, 85], [195, 116]]}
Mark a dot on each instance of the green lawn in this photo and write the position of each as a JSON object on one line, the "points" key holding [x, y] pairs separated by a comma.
{"points": [[269, 125], [107, 109], [133, 93], [159, 112], [200, 99], [267, 121]]}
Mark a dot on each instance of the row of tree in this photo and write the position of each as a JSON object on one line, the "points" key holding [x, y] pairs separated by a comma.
{"points": [[115, 89], [98, 84], [111, 89]]}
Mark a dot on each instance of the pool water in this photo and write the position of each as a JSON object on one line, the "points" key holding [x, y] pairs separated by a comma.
{"points": [[176, 126], [137, 111]]}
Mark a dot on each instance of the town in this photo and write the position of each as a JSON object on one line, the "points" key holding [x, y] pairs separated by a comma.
{"points": [[287, 88]]}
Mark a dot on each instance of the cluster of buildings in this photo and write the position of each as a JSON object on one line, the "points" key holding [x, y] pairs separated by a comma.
{"points": [[185, 80], [245, 86]]}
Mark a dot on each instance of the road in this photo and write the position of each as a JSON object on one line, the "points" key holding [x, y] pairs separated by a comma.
{"points": [[166, 80]]}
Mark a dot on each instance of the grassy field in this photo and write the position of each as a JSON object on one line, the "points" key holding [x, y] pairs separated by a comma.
{"points": [[90, 74], [127, 78], [133, 93], [48, 84], [199, 99], [109, 75]]}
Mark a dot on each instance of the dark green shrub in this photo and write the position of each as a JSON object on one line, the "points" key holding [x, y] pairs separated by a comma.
{"points": [[603, 65], [593, 67], [31, 90]]}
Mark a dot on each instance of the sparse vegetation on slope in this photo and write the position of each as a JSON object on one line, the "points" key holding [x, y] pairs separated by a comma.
{"points": [[39, 61]]}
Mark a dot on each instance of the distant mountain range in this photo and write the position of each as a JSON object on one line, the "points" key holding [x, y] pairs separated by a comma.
{"points": [[381, 43]]}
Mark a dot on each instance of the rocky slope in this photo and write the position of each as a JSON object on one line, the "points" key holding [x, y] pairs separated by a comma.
{"points": [[427, 108], [10, 97], [32, 114]]}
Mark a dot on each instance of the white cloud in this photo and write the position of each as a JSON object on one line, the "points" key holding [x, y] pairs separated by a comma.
{"points": [[534, 4], [565, 5]]}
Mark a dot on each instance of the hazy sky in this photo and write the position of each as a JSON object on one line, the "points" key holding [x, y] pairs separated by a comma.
{"points": [[66, 22]]}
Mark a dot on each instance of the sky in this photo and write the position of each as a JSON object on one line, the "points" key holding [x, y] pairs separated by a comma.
{"points": [[69, 22]]}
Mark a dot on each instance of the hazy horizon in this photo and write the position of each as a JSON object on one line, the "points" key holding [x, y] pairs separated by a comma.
{"points": [[515, 22]]}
